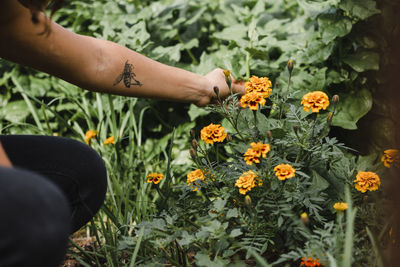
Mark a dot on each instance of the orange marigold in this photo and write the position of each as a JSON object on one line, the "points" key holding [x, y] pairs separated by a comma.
{"points": [[367, 181], [246, 182], [284, 171], [315, 101], [252, 99], [256, 151], [261, 85], [109, 140], [391, 156], [310, 262], [154, 177], [192, 178], [89, 135], [213, 133], [340, 206]]}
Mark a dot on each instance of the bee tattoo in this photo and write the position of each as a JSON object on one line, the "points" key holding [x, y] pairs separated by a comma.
{"points": [[127, 75]]}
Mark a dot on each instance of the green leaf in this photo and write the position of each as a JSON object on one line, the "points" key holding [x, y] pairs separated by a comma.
{"points": [[204, 260], [195, 112], [363, 61], [314, 8], [351, 108], [318, 183], [332, 26], [232, 213], [235, 233], [360, 8], [15, 111]]}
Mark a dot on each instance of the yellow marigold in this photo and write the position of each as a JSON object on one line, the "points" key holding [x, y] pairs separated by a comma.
{"points": [[256, 151], [367, 181], [252, 99], [154, 177], [246, 182], [284, 171], [310, 262], [192, 178], [213, 133], [89, 135], [340, 206], [109, 140], [261, 85], [315, 101], [391, 156]]}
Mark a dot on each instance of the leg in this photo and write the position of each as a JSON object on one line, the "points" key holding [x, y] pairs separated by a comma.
{"points": [[34, 225], [73, 166]]}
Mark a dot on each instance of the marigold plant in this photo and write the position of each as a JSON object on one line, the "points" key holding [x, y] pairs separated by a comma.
{"points": [[284, 171], [256, 151], [340, 206], [310, 262], [154, 177], [109, 140], [252, 100], [389, 157], [246, 182], [193, 177], [213, 133], [315, 101], [261, 85], [89, 135], [367, 181]]}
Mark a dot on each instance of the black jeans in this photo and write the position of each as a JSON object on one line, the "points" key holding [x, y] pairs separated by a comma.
{"points": [[55, 187]]}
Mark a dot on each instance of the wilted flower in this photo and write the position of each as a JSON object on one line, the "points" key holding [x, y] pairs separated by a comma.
{"points": [[310, 262], [192, 178], [284, 171], [315, 101], [246, 182], [154, 177], [252, 99], [335, 99], [340, 206], [367, 181], [89, 135], [109, 140], [256, 151], [261, 85], [213, 133], [391, 156]]}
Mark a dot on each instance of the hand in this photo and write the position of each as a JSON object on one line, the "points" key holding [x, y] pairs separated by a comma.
{"points": [[217, 78]]}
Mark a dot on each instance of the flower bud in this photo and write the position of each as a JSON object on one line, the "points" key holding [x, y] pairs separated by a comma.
{"points": [[335, 99], [269, 134], [229, 138], [192, 133], [194, 144], [295, 129], [304, 218], [329, 119], [290, 65], [247, 200], [216, 90], [227, 73], [193, 153]]}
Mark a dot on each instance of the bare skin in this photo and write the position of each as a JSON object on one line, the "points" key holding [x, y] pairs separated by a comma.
{"points": [[99, 65]]}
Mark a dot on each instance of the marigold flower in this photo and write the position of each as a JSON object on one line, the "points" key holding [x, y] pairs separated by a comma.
{"points": [[391, 156], [246, 182], [367, 181], [340, 206], [256, 151], [89, 135], [192, 178], [261, 85], [154, 177], [315, 101], [284, 171], [252, 99], [109, 140], [310, 262], [304, 218], [213, 133]]}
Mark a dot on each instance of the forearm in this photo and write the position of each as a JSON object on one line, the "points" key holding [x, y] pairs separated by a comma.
{"points": [[96, 64], [4, 160]]}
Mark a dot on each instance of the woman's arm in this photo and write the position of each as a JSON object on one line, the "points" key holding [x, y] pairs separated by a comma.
{"points": [[99, 65]]}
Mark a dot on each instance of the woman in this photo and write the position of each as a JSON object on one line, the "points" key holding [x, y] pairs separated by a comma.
{"points": [[51, 186]]}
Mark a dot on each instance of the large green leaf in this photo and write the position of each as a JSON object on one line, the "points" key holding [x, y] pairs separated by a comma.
{"points": [[351, 108], [362, 61], [15, 111], [360, 8], [332, 26]]}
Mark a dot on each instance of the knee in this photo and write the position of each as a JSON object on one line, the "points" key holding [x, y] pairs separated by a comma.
{"points": [[37, 219]]}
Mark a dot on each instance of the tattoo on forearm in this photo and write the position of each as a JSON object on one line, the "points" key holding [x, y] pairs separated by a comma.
{"points": [[128, 76]]}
